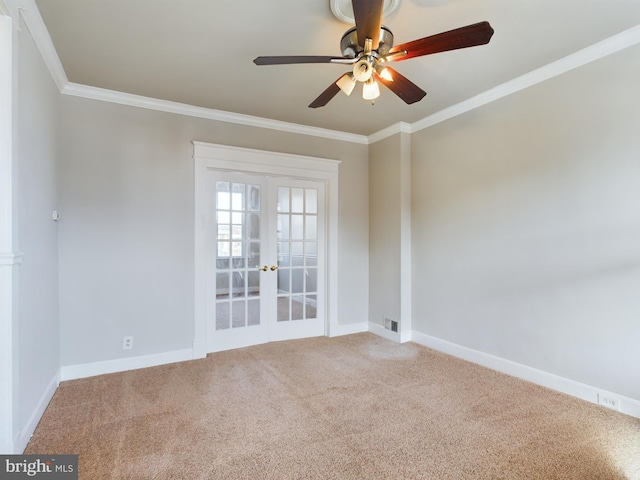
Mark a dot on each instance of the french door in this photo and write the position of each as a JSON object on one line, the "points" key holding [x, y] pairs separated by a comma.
{"points": [[265, 256]]}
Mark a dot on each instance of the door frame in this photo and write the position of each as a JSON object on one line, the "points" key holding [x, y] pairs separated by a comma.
{"points": [[211, 156]]}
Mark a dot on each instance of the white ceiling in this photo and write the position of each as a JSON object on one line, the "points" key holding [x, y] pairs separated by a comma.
{"points": [[200, 52]]}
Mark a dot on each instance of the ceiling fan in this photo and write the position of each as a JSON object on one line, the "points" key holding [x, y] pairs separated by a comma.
{"points": [[368, 47]]}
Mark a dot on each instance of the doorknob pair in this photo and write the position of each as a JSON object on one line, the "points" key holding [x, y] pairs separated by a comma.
{"points": [[265, 268]]}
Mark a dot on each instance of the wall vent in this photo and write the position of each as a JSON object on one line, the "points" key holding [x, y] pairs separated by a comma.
{"points": [[390, 324]]}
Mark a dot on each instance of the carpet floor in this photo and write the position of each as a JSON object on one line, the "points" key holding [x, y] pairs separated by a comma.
{"points": [[352, 407]]}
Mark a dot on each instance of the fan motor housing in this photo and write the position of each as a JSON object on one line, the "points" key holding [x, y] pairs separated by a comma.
{"points": [[350, 47]]}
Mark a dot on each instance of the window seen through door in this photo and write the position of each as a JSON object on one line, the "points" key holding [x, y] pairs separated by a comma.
{"points": [[297, 253], [238, 255]]}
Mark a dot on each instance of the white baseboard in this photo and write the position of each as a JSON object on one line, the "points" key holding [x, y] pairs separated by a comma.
{"points": [[628, 406], [24, 435], [383, 332], [72, 372], [199, 349], [337, 330], [400, 337]]}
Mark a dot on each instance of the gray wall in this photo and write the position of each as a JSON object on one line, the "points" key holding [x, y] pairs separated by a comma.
{"points": [[127, 228], [526, 226], [384, 230], [37, 351], [524, 215], [390, 232]]}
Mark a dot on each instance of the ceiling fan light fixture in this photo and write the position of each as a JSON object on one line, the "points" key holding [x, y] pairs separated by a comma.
{"points": [[363, 70], [347, 83], [370, 90], [368, 47]]}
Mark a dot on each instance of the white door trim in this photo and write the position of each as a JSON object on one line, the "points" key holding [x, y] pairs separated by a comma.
{"points": [[9, 259], [209, 156]]}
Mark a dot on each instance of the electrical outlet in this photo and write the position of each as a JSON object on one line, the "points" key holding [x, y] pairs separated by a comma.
{"points": [[127, 343], [608, 401]]}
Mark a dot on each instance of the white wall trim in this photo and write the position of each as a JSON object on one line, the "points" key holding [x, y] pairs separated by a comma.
{"points": [[589, 54], [599, 50], [384, 333], [390, 131], [582, 57], [73, 372], [249, 160], [339, 330], [406, 252], [6, 136], [7, 258], [7, 375], [200, 257], [10, 258], [207, 113], [40, 34], [22, 439], [628, 406]]}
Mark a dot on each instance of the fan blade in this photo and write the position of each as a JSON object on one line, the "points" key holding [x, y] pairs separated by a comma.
{"points": [[326, 96], [368, 17], [295, 59], [408, 91], [463, 37]]}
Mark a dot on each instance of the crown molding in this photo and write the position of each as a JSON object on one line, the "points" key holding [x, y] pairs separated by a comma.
{"points": [[112, 96], [582, 57], [400, 127], [40, 34], [4, 9]]}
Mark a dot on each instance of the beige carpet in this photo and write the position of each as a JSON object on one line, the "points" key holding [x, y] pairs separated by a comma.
{"points": [[354, 407]]}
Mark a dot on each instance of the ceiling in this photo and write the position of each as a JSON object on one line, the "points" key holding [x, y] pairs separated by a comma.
{"points": [[200, 52]]}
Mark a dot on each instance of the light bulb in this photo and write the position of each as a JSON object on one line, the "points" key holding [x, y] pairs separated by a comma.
{"points": [[385, 74], [370, 90], [347, 82]]}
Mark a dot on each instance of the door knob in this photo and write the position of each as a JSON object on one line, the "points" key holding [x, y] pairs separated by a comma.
{"points": [[264, 268], [274, 268]]}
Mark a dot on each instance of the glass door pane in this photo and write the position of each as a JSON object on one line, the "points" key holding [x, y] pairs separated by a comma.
{"points": [[297, 249], [238, 245], [265, 259]]}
